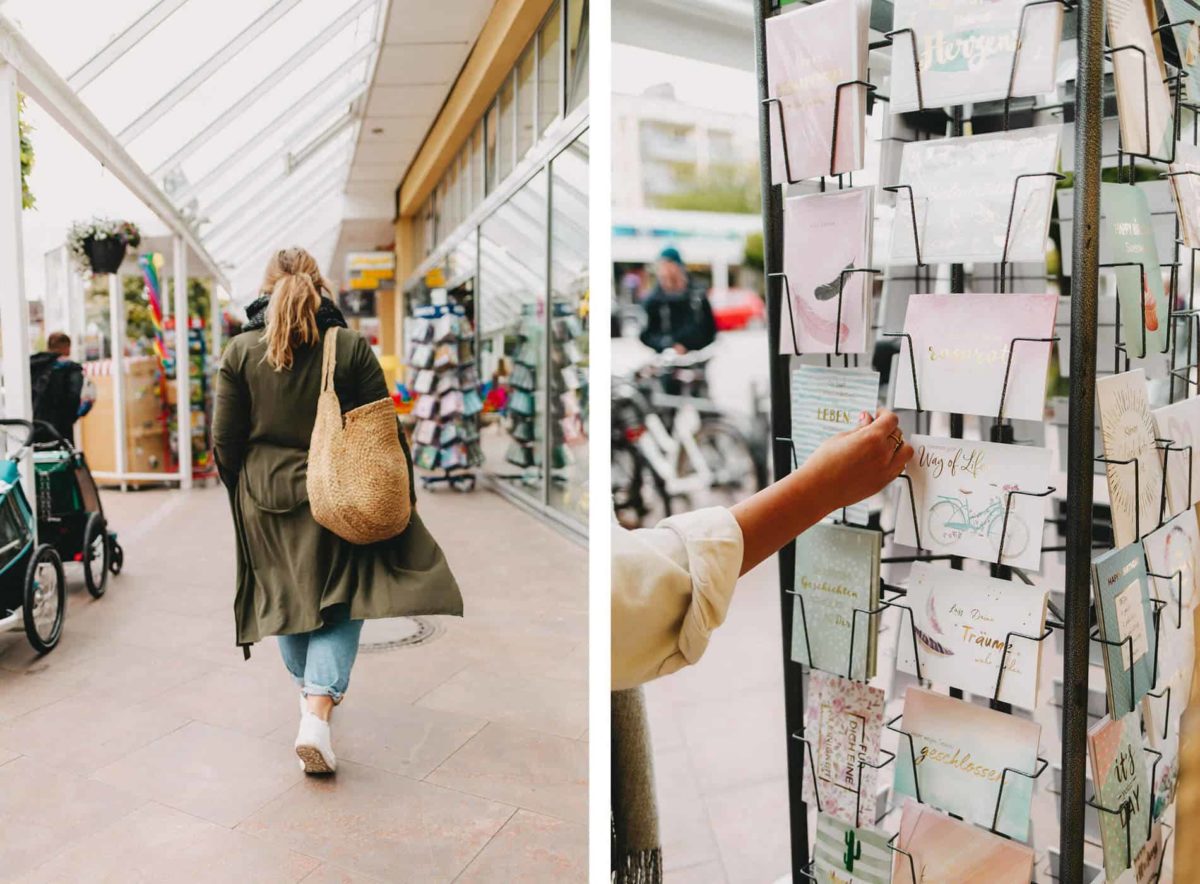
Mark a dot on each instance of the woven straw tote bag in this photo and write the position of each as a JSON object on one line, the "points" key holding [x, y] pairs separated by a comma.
{"points": [[357, 474]]}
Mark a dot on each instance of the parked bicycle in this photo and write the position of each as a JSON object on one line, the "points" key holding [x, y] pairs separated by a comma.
{"points": [[674, 449]]}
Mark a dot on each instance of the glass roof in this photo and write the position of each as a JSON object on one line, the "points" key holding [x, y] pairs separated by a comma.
{"points": [[244, 111]]}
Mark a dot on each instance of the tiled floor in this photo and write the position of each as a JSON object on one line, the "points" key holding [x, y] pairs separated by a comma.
{"points": [[144, 749]]}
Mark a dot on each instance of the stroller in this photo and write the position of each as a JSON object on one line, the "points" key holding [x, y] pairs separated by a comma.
{"points": [[33, 589], [70, 516]]}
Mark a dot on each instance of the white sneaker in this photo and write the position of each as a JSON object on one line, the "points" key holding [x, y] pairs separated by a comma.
{"points": [[303, 709], [314, 745]]}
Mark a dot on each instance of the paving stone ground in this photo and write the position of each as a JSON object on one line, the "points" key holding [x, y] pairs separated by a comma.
{"points": [[144, 749]]}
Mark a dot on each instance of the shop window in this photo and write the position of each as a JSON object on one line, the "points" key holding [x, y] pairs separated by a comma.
{"points": [[506, 133], [568, 332], [550, 69], [491, 125], [476, 161], [577, 53], [526, 98], [512, 334]]}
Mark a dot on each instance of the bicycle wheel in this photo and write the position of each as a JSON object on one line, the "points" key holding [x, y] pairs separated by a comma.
{"points": [[636, 497], [730, 459], [943, 524], [1016, 538]]}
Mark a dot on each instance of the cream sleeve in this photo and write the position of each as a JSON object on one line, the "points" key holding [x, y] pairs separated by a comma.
{"points": [[671, 587]]}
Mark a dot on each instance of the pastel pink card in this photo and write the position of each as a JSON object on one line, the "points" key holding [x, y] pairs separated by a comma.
{"points": [[961, 346], [826, 241]]}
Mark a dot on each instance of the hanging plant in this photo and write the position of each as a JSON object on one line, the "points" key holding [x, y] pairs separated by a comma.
{"points": [[98, 245], [23, 128]]}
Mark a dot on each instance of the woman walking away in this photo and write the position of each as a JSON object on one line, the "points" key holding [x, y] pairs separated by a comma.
{"points": [[296, 579]]}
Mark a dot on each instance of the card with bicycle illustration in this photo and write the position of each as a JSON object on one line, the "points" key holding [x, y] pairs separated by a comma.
{"points": [[960, 491]]}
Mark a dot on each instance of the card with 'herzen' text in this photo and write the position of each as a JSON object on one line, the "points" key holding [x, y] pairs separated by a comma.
{"points": [[962, 623], [972, 354], [964, 494]]}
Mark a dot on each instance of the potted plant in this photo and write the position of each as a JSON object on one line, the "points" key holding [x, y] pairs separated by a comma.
{"points": [[98, 245]]}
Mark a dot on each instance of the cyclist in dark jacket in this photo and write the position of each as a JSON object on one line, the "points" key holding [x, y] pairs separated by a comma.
{"points": [[57, 385], [678, 315]]}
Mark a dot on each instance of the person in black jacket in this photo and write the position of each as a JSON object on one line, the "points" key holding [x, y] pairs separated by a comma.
{"points": [[57, 385], [678, 315]]}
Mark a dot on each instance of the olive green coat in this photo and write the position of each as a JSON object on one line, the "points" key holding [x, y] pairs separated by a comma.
{"points": [[289, 569]]}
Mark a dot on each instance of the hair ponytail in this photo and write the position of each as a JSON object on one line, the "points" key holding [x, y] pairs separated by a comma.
{"points": [[294, 282]]}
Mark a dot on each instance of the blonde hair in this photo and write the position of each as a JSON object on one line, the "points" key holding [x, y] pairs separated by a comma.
{"points": [[294, 282]]}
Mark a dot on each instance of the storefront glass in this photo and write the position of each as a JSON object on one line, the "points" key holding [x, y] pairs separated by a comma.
{"points": [[490, 126], [526, 108], [549, 69], [577, 54], [512, 336], [569, 355], [506, 131]]}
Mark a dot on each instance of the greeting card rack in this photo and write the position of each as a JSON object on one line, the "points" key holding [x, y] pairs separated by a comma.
{"points": [[1075, 619]]}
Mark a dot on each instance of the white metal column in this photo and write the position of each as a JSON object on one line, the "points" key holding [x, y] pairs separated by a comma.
{"points": [[14, 309], [183, 362], [116, 320]]}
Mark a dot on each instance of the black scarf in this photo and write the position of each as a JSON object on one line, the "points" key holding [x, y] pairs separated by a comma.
{"points": [[328, 314]]}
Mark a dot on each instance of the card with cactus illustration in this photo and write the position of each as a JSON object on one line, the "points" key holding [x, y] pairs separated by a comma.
{"points": [[961, 490], [961, 623], [843, 854], [1127, 429], [843, 722]]}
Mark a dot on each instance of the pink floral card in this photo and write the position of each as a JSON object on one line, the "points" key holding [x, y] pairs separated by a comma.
{"points": [[962, 345], [842, 723]]}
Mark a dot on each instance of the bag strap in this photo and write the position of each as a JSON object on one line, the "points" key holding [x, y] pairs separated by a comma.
{"points": [[329, 359]]}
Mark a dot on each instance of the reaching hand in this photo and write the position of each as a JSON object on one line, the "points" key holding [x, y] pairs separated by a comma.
{"points": [[856, 464]]}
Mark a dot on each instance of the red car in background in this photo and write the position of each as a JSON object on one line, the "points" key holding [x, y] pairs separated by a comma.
{"points": [[737, 308]]}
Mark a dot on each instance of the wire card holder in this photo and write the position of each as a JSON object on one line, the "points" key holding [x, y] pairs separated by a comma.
{"points": [[1125, 812], [1174, 84], [1008, 229], [837, 335], [1120, 345], [1039, 768], [1167, 447], [861, 764], [1126, 644], [777, 103], [1137, 490]]}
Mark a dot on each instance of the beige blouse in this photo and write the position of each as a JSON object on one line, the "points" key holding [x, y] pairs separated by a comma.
{"points": [[671, 586]]}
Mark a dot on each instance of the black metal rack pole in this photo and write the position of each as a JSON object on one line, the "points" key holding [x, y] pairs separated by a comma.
{"points": [[1085, 258], [772, 209]]}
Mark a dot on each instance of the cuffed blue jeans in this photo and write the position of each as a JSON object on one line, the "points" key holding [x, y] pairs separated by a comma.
{"points": [[320, 661]]}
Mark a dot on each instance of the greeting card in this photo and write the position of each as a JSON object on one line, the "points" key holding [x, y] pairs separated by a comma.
{"points": [[966, 51], [1127, 430], [1186, 32], [1119, 771], [1127, 238], [1185, 178], [810, 50], [962, 194], [1161, 720], [961, 752], [1125, 620], [962, 621], [960, 492], [843, 854], [837, 571], [1179, 424], [1174, 549], [1147, 129], [963, 345], [842, 722], [825, 234], [948, 851], [828, 401]]}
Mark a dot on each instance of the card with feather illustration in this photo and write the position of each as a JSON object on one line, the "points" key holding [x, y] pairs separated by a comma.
{"points": [[1127, 430], [843, 721], [961, 622], [825, 234]]}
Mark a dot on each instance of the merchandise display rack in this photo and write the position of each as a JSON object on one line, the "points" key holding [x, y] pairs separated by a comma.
{"points": [[1085, 112]]}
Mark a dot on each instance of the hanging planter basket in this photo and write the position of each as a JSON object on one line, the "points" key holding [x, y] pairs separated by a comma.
{"points": [[105, 255], [98, 245]]}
